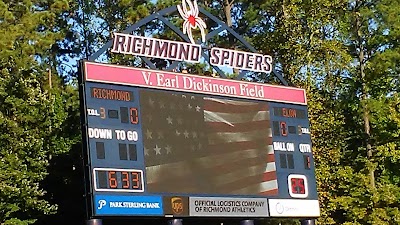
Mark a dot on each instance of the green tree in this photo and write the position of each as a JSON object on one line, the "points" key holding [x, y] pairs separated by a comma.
{"points": [[345, 53], [31, 116], [370, 32]]}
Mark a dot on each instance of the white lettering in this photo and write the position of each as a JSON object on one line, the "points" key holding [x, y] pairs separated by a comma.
{"points": [[153, 205], [98, 133], [282, 146], [304, 148], [121, 135], [160, 79], [305, 130], [132, 135], [187, 83], [279, 146], [255, 91], [167, 82], [146, 77], [92, 112], [290, 147], [142, 205]]}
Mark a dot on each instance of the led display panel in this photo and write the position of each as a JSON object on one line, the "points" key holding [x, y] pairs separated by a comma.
{"points": [[165, 144]]}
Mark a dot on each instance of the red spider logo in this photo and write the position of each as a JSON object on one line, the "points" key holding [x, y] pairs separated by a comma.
{"points": [[192, 19]]}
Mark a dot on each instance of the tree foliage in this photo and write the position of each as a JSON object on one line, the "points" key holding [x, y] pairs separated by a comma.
{"points": [[345, 53], [32, 115]]}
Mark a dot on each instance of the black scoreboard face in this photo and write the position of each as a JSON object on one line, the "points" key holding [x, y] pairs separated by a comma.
{"points": [[168, 144]]}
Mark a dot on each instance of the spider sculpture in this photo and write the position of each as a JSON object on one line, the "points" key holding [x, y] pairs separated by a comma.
{"points": [[192, 19]]}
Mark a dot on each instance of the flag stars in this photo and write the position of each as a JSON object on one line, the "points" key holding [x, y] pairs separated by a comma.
{"points": [[180, 121], [190, 106], [169, 149], [146, 151], [149, 134], [157, 150], [198, 108], [161, 104], [186, 134], [151, 102], [192, 97], [169, 119], [177, 133], [160, 135], [194, 134]]}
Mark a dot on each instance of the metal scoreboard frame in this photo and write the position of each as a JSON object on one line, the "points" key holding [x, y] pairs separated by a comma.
{"points": [[166, 144]]}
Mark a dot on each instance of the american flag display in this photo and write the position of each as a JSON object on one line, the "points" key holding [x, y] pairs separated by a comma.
{"points": [[200, 145]]}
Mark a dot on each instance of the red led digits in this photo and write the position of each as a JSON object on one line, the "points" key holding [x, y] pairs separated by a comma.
{"points": [[112, 179], [308, 163], [102, 113], [136, 180], [128, 180], [287, 112], [121, 180], [134, 115], [125, 180], [297, 185], [283, 128]]}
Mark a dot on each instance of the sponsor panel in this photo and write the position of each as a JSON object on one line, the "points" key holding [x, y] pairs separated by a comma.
{"points": [[128, 205], [293, 208], [176, 205], [228, 207]]}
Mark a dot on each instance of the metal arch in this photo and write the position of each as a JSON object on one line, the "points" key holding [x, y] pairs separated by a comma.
{"points": [[160, 15]]}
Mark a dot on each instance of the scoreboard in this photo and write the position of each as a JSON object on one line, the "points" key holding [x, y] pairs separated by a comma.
{"points": [[166, 144]]}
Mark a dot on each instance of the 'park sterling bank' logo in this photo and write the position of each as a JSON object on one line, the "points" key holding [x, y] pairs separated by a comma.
{"points": [[177, 205]]}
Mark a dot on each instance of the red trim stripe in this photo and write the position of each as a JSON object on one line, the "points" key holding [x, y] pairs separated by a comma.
{"points": [[268, 176], [271, 157]]}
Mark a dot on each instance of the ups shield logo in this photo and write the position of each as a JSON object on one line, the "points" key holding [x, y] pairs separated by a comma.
{"points": [[177, 205]]}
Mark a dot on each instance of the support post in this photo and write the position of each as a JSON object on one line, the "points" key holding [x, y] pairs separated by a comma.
{"points": [[307, 222], [94, 222], [247, 222], [175, 222]]}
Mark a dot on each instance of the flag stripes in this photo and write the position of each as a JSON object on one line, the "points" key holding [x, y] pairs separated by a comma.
{"points": [[209, 145]]}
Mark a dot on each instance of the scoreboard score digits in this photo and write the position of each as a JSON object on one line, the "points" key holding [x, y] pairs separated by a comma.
{"points": [[120, 180], [156, 140]]}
